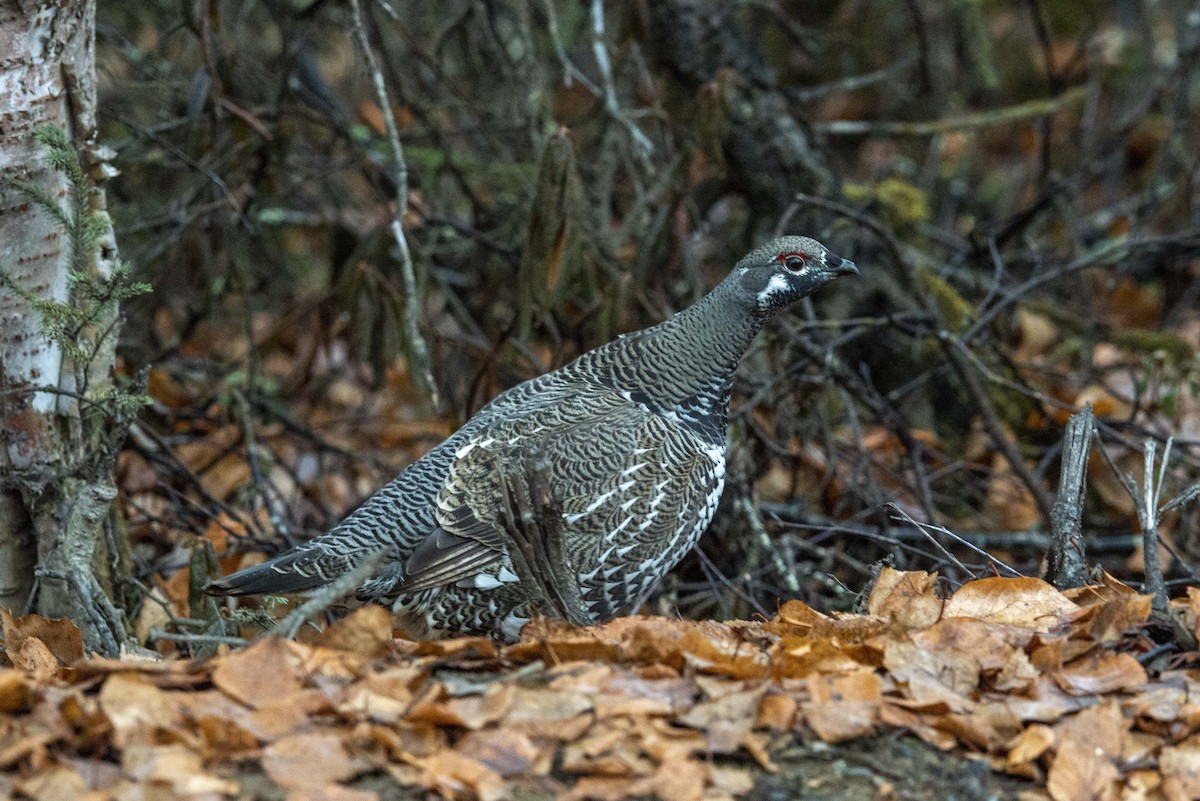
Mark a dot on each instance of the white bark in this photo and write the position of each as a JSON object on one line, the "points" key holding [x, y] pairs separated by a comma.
{"points": [[47, 518]]}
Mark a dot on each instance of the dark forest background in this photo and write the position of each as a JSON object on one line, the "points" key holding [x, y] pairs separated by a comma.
{"points": [[1018, 183]]}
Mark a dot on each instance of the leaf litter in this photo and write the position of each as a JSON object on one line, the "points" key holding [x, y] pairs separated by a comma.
{"points": [[1037, 683]]}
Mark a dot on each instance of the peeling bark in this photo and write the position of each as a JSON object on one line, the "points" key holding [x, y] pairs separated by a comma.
{"points": [[56, 541]]}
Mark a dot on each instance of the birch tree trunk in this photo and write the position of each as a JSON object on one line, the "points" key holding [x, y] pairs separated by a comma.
{"points": [[58, 544]]}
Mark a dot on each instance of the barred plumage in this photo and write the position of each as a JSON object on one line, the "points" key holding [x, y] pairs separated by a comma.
{"points": [[629, 442]]}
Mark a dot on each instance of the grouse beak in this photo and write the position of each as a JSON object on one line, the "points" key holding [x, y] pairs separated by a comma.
{"points": [[839, 266]]}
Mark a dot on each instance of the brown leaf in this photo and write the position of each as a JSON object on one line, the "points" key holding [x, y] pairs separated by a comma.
{"points": [[56, 783], [17, 692], [777, 712], [538, 705], [264, 673], [508, 753], [933, 677], [135, 706], [1180, 766], [1081, 773], [1015, 601], [894, 590], [991, 645], [61, 637], [1009, 501], [36, 658], [366, 631], [308, 760], [174, 767], [844, 706], [1102, 672], [1034, 741], [725, 721], [469, 711], [453, 774]]}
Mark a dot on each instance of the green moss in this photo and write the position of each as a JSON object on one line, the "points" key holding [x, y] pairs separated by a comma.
{"points": [[956, 311]]}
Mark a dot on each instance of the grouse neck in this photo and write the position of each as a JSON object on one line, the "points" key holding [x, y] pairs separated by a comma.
{"points": [[711, 336], [682, 368]]}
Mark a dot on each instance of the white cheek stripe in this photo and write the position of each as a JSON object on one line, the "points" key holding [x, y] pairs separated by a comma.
{"points": [[778, 283]]}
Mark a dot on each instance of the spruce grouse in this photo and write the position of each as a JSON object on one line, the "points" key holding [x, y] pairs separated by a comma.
{"points": [[571, 494]]}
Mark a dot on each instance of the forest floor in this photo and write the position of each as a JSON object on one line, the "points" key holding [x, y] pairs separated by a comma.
{"points": [[1007, 688]]}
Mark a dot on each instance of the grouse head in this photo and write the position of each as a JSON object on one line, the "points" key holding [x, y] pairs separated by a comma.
{"points": [[784, 270]]}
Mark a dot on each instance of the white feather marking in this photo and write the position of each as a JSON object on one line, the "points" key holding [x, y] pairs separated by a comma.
{"points": [[625, 507], [612, 534], [625, 485], [629, 470], [511, 625], [506, 576], [626, 549], [480, 581], [778, 283], [593, 506]]}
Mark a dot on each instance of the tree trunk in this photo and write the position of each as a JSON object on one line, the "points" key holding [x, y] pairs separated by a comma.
{"points": [[57, 542]]}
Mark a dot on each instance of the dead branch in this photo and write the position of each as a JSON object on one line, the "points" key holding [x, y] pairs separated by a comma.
{"points": [[1065, 562]]}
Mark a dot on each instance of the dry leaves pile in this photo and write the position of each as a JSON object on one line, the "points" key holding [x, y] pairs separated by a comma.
{"points": [[1041, 684]]}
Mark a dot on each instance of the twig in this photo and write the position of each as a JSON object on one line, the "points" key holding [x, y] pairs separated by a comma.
{"points": [[196, 639], [898, 513], [1147, 502], [330, 594], [947, 532], [645, 147], [851, 83], [422, 367], [570, 71], [992, 423], [953, 348], [1066, 565], [754, 520], [965, 122], [264, 487]]}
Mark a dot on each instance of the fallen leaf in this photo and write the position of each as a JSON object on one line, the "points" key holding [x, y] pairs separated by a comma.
{"points": [[506, 752], [777, 712], [453, 774], [895, 590], [1180, 766], [17, 692], [135, 707], [1014, 601], [1081, 773], [175, 767], [56, 783], [1034, 741], [725, 721], [61, 637], [933, 677], [366, 631], [302, 761], [261, 674], [1101, 672], [843, 706]]}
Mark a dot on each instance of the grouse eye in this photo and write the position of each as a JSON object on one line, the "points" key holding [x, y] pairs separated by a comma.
{"points": [[795, 263]]}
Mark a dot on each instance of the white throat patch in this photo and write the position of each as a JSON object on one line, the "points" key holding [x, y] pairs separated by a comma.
{"points": [[776, 285]]}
